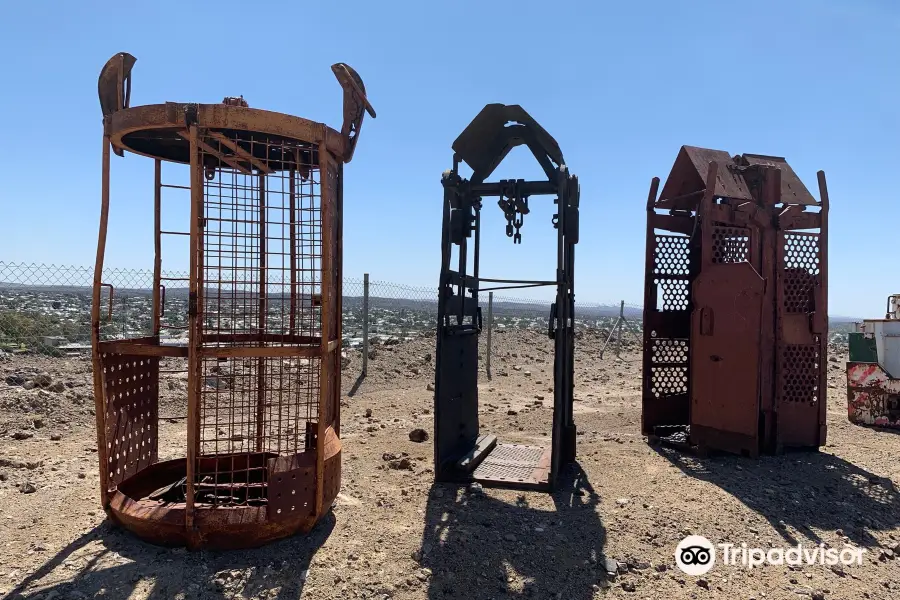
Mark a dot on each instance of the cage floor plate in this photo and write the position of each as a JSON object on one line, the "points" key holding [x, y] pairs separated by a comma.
{"points": [[515, 465]]}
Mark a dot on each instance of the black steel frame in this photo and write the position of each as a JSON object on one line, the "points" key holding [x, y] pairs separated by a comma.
{"points": [[482, 146]]}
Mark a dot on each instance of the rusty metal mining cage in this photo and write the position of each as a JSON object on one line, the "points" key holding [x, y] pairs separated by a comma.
{"points": [[735, 306], [262, 454], [461, 451]]}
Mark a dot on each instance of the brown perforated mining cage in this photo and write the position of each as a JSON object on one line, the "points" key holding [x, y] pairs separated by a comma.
{"points": [[735, 306], [260, 456]]}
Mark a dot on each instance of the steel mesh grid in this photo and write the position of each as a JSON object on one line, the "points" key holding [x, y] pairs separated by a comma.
{"points": [[260, 288]]}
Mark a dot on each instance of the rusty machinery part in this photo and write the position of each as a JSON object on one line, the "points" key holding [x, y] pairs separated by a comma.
{"points": [[735, 299], [356, 104], [262, 450], [235, 101], [157, 130], [114, 86], [873, 367], [461, 451]]}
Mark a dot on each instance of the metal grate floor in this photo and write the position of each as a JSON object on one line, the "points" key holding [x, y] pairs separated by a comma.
{"points": [[515, 464]]}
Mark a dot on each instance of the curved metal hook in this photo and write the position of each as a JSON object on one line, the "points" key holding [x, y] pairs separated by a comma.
{"points": [[356, 104], [114, 86]]}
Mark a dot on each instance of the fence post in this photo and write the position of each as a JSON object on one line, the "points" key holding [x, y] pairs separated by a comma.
{"points": [[365, 365], [619, 328], [490, 326]]}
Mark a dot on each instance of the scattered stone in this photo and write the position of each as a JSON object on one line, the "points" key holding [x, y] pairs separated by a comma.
{"points": [[512, 412], [401, 464], [43, 380], [22, 435], [703, 583], [517, 368], [55, 437], [368, 413], [15, 379], [818, 595], [621, 567], [28, 385], [838, 570], [418, 435], [509, 537], [430, 387], [628, 586], [415, 370], [59, 387], [38, 423], [611, 566], [27, 488], [476, 488], [2, 476], [539, 396], [886, 554], [622, 502], [527, 373]]}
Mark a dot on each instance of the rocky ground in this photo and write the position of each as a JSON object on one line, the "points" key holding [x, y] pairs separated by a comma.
{"points": [[610, 532]]}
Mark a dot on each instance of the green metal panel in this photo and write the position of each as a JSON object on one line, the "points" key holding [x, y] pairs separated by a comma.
{"points": [[862, 349]]}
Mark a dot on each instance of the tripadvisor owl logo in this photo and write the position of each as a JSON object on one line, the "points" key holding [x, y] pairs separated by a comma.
{"points": [[695, 555]]}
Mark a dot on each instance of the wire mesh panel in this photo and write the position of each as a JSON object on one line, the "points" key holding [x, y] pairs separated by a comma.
{"points": [[260, 311]]}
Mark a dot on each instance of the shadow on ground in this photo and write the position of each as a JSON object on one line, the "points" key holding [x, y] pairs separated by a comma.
{"points": [[479, 547], [802, 491], [109, 562]]}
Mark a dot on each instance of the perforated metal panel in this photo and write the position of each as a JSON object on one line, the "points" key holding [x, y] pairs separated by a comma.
{"points": [[800, 373], [801, 268], [131, 390], [730, 245]]}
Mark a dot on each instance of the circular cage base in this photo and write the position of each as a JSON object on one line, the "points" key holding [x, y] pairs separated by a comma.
{"points": [[222, 527]]}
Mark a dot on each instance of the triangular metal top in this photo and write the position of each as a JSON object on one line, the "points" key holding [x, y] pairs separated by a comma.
{"points": [[496, 130], [733, 180]]}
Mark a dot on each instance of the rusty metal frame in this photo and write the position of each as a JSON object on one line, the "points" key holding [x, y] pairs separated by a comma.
{"points": [[706, 191], [213, 138]]}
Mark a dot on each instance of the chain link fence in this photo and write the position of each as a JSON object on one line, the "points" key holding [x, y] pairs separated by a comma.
{"points": [[47, 308]]}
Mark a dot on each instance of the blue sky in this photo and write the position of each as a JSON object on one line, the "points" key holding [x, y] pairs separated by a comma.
{"points": [[621, 86]]}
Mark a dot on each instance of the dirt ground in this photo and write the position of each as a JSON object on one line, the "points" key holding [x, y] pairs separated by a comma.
{"points": [[395, 534]]}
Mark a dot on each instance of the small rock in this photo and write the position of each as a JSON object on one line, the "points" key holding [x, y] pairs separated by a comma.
{"points": [[27, 488], [59, 387], [703, 583], [55, 437], [512, 412], [430, 387], [476, 488], [368, 413], [622, 502], [2, 476], [38, 423], [418, 435], [509, 537], [628, 586], [539, 396], [517, 368], [611, 566], [402, 464], [838, 570], [28, 385], [886, 554], [43, 380], [15, 379], [22, 435], [621, 567], [818, 595], [527, 373]]}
